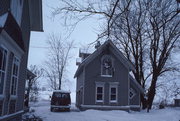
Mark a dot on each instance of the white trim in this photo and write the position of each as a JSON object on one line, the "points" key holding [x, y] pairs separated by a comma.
{"points": [[135, 106], [105, 107], [17, 77], [6, 67], [11, 115], [106, 75]]}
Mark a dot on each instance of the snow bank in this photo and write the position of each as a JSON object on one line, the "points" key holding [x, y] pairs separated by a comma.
{"points": [[167, 114]]}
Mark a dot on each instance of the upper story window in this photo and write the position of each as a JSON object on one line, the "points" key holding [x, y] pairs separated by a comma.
{"points": [[3, 61], [106, 66], [15, 73], [16, 9]]}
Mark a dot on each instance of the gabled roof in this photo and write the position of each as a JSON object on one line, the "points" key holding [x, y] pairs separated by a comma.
{"points": [[9, 24], [97, 52], [139, 87]]}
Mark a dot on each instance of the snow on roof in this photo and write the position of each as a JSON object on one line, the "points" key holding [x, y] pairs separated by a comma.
{"points": [[3, 19], [62, 91]]}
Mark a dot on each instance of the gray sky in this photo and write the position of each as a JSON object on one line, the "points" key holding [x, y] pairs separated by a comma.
{"points": [[84, 34]]}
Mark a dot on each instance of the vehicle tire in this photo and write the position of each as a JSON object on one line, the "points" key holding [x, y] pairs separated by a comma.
{"points": [[68, 110], [52, 109]]}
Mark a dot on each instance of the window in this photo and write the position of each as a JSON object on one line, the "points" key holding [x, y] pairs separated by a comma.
{"points": [[1, 107], [3, 61], [131, 93], [14, 80], [12, 106], [106, 66], [113, 93], [99, 94]]}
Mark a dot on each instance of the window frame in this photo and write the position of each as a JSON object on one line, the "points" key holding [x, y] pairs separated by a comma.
{"points": [[5, 69], [15, 58], [5, 74], [99, 85], [116, 87], [102, 66]]}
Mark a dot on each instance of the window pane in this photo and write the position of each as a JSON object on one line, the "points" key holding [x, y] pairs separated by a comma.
{"points": [[1, 82], [99, 90], [4, 60], [99, 97], [113, 90], [113, 97], [1, 58]]}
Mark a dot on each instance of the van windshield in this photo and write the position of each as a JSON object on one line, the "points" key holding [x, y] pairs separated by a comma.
{"points": [[61, 95]]}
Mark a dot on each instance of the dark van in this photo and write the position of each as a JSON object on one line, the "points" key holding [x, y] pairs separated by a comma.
{"points": [[60, 100]]}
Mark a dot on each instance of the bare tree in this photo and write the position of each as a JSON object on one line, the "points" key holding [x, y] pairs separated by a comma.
{"points": [[59, 55], [33, 74], [146, 31]]}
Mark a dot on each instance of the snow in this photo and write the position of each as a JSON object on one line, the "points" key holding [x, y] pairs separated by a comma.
{"points": [[42, 109], [45, 95]]}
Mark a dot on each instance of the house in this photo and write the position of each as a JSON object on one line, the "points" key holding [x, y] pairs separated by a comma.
{"points": [[17, 19], [104, 81]]}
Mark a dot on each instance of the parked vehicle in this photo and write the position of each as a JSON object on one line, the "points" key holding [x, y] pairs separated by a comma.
{"points": [[60, 100]]}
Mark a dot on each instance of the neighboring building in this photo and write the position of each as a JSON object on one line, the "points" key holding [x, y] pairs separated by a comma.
{"points": [[17, 19], [104, 81]]}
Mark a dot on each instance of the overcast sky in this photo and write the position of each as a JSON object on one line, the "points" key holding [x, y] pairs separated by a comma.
{"points": [[84, 34]]}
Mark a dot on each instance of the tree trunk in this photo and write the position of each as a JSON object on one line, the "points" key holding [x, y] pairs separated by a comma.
{"points": [[151, 93], [143, 102]]}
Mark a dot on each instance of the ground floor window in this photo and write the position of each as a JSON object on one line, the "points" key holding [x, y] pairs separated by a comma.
{"points": [[12, 106], [113, 93], [1, 107], [3, 61], [99, 93], [15, 73]]}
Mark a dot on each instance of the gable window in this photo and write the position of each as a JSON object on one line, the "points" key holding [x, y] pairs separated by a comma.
{"points": [[106, 66], [99, 93], [113, 93], [3, 61], [14, 79], [131, 93]]}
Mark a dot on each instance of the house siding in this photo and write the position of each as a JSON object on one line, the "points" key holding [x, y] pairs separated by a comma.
{"points": [[93, 75], [79, 89], [22, 54], [25, 27]]}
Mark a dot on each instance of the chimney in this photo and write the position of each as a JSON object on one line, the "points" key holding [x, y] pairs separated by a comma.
{"points": [[97, 45]]}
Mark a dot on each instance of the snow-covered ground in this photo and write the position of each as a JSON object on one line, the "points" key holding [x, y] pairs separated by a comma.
{"points": [[167, 114]]}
